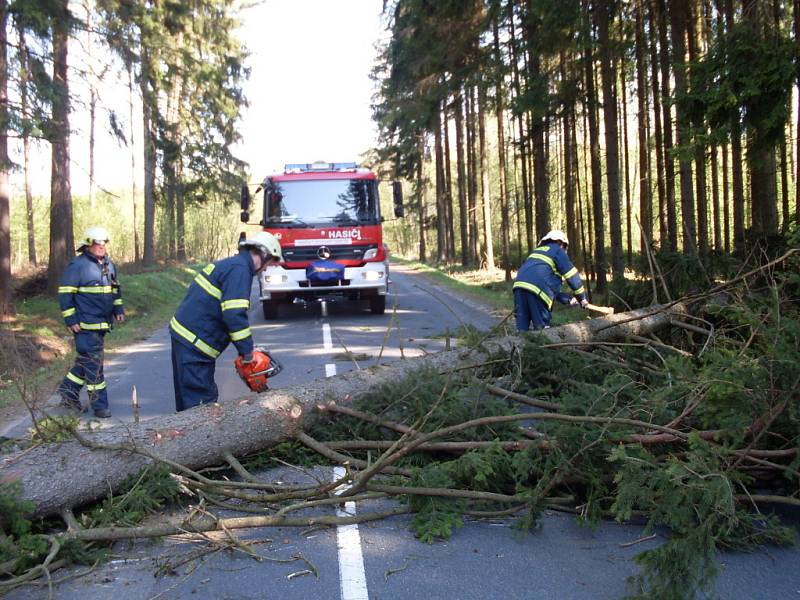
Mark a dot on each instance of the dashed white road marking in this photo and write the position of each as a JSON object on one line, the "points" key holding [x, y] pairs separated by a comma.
{"points": [[352, 576]]}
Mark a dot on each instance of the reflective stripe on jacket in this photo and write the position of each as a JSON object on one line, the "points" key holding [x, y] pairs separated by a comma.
{"points": [[89, 293], [543, 274], [214, 311]]}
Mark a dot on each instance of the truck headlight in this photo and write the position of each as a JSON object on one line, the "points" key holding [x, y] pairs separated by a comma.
{"points": [[275, 279], [370, 254], [373, 275]]}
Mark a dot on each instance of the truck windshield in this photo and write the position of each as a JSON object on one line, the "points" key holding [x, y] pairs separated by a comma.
{"points": [[314, 201]]}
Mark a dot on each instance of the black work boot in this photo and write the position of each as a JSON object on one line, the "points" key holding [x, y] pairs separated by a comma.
{"points": [[73, 404], [102, 413]]}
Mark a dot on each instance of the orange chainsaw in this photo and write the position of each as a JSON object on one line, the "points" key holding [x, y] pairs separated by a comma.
{"points": [[256, 372]]}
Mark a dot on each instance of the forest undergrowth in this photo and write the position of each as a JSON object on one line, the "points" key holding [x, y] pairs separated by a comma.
{"points": [[694, 432]]}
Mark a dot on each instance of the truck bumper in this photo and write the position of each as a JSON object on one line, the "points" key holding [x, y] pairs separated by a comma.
{"points": [[370, 280]]}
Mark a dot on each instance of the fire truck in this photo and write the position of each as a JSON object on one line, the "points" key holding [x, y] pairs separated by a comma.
{"points": [[327, 217]]}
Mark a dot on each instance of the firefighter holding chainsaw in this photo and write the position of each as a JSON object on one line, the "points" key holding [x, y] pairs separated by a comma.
{"points": [[214, 313], [90, 299], [539, 281]]}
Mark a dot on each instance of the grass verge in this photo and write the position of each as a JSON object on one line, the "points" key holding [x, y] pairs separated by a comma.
{"points": [[37, 350]]}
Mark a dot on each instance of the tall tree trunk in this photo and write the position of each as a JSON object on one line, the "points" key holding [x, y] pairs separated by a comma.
{"points": [[611, 138], [761, 151], [678, 20], [715, 199], [626, 162], [591, 265], [149, 112], [736, 158], [666, 122], [488, 239], [784, 185], [693, 23], [645, 197], [472, 178], [441, 193], [518, 200], [597, 192], [583, 223], [136, 242], [726, 215], [62, 240], [660, 171], [540, 177], [422, 249], [501, 155], [463, 217], [91, 76], [6, 301], [24, 77], [569, 164], [448, 197], [521, 143], [796, 28]]}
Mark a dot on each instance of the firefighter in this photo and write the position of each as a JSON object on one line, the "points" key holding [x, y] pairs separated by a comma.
{"points": [[539, 281], [90, 299], [214, 313]]}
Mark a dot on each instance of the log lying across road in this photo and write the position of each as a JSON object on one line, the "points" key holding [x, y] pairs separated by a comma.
{"points": [[64, 475]]}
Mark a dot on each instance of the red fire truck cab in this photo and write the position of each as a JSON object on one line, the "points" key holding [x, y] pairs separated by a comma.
{"points": [[328, 221]]}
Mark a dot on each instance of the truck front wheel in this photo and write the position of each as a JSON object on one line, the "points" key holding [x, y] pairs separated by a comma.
{"points": [[270, 309], [377, 305]]}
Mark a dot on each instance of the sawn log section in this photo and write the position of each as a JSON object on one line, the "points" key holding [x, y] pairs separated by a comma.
{"points": [[65, 475]]}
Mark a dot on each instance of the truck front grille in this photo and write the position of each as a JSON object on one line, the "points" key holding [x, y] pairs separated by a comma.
{"points": [[309, 253]]}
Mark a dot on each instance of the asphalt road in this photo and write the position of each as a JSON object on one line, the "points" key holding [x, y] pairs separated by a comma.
{"points": [[381, 559]]}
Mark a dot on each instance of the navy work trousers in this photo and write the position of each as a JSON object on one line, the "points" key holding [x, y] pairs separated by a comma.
{"points": [[529, 307], [192, 376], [87, 370]]}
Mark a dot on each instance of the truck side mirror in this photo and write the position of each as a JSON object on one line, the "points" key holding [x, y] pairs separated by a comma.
{"points": [[245, 204], [397, 196]]}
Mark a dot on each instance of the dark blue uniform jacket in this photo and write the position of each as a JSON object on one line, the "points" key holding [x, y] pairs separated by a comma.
{"points": [[543, 274], [214, 311], [89, 293]]}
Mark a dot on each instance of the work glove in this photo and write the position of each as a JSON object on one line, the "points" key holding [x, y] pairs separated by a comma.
{"points": [[584, 303], [573, 301]]}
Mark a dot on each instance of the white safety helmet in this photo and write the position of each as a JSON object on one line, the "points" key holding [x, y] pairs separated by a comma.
{"points": [[265, 243], [95, 233], [555, 236]]}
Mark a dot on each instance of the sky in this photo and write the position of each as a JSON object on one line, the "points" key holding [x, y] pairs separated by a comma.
{"points": [[309, 89], [309, 96]]}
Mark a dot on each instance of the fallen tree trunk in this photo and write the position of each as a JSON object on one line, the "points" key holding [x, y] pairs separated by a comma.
{"points": [[58, 476]]}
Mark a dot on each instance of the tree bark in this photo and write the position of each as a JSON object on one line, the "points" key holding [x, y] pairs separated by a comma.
{"points": [[24, 77], [472, 177], [463, 217], [136, 244], [611, 138], [62, 240], [523, 160], [488, 239], [678, 19], [422, 213], [501, 155], [68, 474], [6, 304], [149, 113], [441, 192], [645, 196], [597, 191]]}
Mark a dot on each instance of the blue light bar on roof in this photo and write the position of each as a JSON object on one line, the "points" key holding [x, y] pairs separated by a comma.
{"points": [[318, 166]]}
